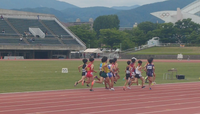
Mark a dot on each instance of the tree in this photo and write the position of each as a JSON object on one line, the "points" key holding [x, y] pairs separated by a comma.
{"points": [[185, 28], [106, 22], [147, 26], [85, 33], [111, 37]]}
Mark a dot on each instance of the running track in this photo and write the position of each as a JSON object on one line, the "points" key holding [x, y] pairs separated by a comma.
{"points": [[179, 98]]}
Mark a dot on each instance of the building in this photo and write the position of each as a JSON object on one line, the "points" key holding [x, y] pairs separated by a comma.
{"points": [[78, 22], [35, 36], [190, 11]]}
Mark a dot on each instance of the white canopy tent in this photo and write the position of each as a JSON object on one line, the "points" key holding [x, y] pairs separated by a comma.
{"points": [[93, 50]]}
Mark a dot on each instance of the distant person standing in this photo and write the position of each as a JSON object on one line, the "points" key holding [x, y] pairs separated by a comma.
{"points": [[38, 17], [2, 17], [3, 31], [84, 55]]}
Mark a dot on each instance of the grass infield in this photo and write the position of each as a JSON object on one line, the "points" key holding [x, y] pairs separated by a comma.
{"points": [[21, 76]]}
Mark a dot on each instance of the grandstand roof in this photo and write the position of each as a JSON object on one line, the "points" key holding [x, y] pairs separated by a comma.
{"points": [[187, 12], [14, 12]]}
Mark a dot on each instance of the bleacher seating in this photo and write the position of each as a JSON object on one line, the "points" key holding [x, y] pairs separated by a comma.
{"points": [[23, 25], [70, 42], [55, 28], [11, 41], [6, 27], [44, 41]]}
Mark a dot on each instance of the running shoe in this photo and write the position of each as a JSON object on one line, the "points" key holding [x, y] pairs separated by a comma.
{"points": [[76, 83], [88, 85], [91, 90], [114, 82], [106, 88], [112, 89], [95, 77], [150, 89], [124, 88], [128, 87], [153, 83], [143, 87]]}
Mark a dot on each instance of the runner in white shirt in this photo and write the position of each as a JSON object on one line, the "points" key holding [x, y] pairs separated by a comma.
{"points": [[138, 72]]}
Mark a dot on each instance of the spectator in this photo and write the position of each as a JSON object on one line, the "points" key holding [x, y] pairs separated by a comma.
{"points": [[46, 33], [21, 39], [98, 55], [1, 17], [3, 31], [38, 17], [84, 55]]}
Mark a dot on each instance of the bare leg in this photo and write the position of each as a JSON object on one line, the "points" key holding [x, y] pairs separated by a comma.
{"points": [[150, 81], [142, 79], [107, 80], [82, 79]]}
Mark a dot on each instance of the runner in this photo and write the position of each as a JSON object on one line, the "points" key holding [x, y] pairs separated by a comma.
{"points": [[90, 69], [132, 80], [138, 72], [150, 69], [83, 72], [128, 74], [105, 70], [154, 75], [116, 70], [110, 74]]}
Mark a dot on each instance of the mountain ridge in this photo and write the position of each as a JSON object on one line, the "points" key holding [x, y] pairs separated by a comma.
{"points": [[127, 17]]}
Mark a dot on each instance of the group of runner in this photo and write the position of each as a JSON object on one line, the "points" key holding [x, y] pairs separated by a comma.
{"points": [[109, 73]]}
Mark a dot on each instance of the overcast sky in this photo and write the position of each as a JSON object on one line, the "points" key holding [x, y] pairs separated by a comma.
{"points": [[109, 3]]}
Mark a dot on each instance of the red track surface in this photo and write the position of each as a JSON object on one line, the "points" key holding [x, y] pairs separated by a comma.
{"points": [[181, 98]]}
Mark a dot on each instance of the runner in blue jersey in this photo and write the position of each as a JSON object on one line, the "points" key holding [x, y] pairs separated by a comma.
{"points": [[150, 71]]}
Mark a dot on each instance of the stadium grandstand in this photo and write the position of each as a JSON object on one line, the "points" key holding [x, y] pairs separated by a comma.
{"points": [[35, 36]]}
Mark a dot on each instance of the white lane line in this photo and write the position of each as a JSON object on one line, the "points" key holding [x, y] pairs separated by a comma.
{"points": [[104, 95]]}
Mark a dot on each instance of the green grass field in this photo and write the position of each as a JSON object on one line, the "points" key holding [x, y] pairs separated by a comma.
{"points": [[169, 51], [20, 76]]}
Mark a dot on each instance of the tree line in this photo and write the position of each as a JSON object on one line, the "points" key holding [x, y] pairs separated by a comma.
{"points": [[106, 33]]}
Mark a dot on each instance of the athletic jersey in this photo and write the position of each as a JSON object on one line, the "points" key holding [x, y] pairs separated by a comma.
{"points": [[89, 68], [132, 67], [109, 74], [127, 70], [105, 69], [83, 68], [100, 67], [137, 71], [109, 66], [149, 68]]}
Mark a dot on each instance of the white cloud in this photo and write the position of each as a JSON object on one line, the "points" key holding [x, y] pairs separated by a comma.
{"points": [[109, 3]]}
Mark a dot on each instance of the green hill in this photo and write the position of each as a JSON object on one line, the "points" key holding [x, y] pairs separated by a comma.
{"points": [[20, 4], [85, 13], [71, 13], [169, 51]]}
